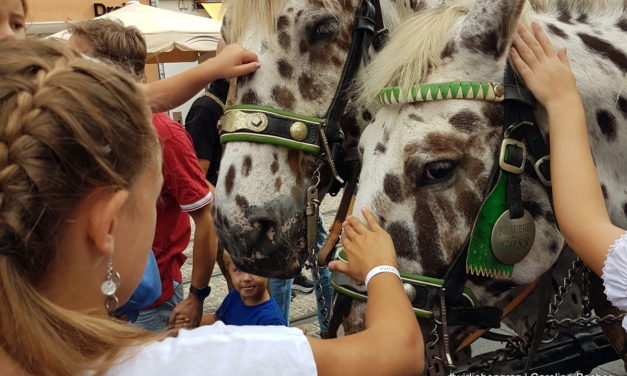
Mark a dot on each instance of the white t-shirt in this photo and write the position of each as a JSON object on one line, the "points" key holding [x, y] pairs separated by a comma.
{"points": [[219, 349], [615, 275]]}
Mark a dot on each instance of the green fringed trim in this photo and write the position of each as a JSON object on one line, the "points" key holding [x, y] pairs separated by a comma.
{"points": [[480, 259], [487, 91]]}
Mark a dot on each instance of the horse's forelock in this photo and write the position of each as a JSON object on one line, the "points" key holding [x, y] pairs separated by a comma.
{"points": [[243, 13], [265, 13], [410, 52]]}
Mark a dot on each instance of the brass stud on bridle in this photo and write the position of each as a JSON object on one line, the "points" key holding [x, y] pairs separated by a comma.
{"points": [[298, 130]]}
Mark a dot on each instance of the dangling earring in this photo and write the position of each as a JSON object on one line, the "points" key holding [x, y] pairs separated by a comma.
{"points": [[109, 287]]}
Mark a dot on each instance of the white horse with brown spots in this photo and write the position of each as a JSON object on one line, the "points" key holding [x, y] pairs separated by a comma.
{"points": [[427, 156], [262, 187]]}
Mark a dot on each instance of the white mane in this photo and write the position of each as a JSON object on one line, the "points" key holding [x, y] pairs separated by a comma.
{"points": [[244, 13], [411, 52], [416, 45]]}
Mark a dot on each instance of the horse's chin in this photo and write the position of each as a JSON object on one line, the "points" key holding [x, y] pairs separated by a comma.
{"points": [[282, 259]]}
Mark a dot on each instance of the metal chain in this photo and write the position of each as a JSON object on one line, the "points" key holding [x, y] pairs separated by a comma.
{"points": [[315, 271], [558, 298], [585, 294], [485, 362], [584, 321], [517, 347], [313, 258], [315, 177], [433, 356]]}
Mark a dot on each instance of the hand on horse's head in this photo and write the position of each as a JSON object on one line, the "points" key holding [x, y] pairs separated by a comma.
{"points": [[365, 247]]}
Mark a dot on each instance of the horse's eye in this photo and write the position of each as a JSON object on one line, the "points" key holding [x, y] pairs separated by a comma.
{"points": [[325, 29], [438, 171]]}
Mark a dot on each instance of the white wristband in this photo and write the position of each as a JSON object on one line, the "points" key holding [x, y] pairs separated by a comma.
{"points": [[381, 269]]}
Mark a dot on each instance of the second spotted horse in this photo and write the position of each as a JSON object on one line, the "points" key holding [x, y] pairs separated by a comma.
{"points": [[454, 159]]}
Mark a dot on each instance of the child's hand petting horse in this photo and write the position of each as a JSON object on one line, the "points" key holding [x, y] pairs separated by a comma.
{"points": [[546, 71], [365, 247]]}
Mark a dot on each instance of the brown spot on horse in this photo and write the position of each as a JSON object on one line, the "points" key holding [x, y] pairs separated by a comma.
{"points": [[283, 97], [607, 124], [247, 165], [606, 49], [392, 187], [230, 180]]}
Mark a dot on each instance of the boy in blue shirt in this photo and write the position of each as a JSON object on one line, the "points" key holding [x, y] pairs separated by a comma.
{"points": [[248, 303]]}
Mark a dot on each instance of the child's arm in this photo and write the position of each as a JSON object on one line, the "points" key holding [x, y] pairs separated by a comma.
{"points": [[390, 320], [579, 204], [208, 319], [232, 61]]}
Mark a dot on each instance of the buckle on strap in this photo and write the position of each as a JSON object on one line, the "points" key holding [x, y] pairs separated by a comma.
{"points": [[380, 38], [538, 166], [365, 20], [505, 156]]}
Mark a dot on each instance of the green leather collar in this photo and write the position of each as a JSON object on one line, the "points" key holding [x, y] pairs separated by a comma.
{"points": [[259, 124]]}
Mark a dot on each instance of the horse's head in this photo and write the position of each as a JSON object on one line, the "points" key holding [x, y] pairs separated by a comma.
{"points": [[426, 165], [262, 187], [302, 47]]}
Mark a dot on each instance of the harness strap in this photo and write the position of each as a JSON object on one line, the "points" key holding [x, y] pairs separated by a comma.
{"points": [[514, 196], [325, 253], [422, 291], [363, 30], [541, 317], [516, 91], [506, 310], [251, 123], [216, 99], [381, 33]]}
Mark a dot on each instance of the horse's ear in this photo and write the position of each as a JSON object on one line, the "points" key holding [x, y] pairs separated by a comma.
{"points": [[489, 26]]}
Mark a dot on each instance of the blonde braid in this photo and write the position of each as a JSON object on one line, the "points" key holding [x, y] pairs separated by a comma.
{"points": [[67, 127]]}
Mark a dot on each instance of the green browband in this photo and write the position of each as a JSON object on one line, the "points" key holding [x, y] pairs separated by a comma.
{"points": [[266, 125], [487, 91], [423, 292]]}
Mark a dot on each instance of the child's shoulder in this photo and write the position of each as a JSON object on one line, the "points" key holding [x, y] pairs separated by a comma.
{"points": [[272, 314]]}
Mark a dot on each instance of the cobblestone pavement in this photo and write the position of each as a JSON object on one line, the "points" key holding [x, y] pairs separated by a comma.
{"points": [[303, 307]]}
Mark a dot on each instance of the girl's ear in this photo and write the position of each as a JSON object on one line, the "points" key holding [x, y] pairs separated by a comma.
{"points": [[105, 209]]}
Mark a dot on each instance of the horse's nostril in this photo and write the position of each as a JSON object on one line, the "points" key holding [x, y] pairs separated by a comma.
{"points": [[264, 225], [263, 230]]}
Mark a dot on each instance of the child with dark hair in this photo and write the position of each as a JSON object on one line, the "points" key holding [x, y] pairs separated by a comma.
{"points": [[248, 303]]}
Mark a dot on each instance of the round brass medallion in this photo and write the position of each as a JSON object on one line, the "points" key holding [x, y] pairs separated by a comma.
{"points": [[298, 130], [512, 238]]}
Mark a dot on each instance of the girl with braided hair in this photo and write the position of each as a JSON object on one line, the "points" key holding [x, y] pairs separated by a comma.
{"points": [[80, 173]]}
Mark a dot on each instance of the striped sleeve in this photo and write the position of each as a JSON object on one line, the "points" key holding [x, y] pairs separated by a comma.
{"points": [[198, 204]]}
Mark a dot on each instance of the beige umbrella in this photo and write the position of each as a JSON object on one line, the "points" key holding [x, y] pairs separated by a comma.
{"points": [[170, 36]]}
